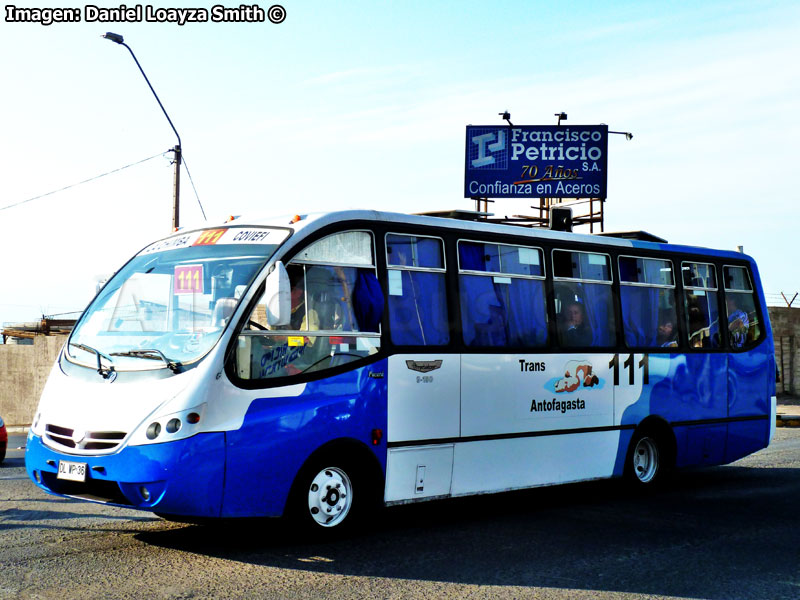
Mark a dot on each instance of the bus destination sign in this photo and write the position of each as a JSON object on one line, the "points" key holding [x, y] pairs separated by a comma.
{"points": [[536, 161]]}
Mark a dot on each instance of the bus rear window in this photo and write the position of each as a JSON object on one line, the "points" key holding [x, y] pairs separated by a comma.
{"points": [[740, 306]]}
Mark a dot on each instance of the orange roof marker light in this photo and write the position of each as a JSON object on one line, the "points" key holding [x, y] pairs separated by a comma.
{"points": [[232, 218], [295, 219]]}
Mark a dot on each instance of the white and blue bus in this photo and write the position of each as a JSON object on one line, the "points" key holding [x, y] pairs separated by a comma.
{"points": [[322, 365]]}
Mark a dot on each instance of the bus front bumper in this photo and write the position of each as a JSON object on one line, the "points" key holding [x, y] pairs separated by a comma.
{"points": [[185, 477]]}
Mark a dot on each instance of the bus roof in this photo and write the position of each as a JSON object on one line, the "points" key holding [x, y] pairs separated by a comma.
{"points": [[308, 223]]}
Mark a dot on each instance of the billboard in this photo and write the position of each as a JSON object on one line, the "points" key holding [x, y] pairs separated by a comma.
{"points": [[536, 161]]}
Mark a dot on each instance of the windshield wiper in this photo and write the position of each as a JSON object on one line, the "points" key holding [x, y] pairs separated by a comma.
{"points": [[151, 353], [106, 372]]}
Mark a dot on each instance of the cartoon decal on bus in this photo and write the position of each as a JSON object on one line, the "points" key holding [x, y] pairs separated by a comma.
{"points": [[577, 373]]}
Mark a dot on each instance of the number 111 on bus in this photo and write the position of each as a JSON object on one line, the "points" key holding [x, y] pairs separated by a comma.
{"points": [[628, 363], [188, 279]]}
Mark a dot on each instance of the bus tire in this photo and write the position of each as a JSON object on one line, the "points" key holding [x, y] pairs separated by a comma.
{"points": [[647, 462], [331, 496]]}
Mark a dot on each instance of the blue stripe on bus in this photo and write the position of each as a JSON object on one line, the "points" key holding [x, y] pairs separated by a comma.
{"points": [[279, 434]]}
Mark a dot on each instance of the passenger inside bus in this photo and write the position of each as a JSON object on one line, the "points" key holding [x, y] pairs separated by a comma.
{"points": [[702, 320], [738, 323], [575, 329], [667, 333]]}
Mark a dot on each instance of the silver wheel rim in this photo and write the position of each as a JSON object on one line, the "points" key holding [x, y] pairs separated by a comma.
{"points": [[330, 497], [645, 459]]}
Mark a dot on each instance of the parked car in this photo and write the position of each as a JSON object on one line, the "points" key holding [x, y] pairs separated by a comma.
{"points": [[3, 440]]}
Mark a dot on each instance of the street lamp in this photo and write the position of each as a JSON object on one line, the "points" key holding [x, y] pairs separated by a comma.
{"points": [[176, 186], [628, 135]]}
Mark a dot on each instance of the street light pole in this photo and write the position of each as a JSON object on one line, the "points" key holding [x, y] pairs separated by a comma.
{"points": [[176, 181]]}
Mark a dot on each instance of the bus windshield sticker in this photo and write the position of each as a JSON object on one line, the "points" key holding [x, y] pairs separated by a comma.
{"points": [[188, 279], [395, 283], [168, 244], [216, 237], [295, 340], [365, 345], [597, 259], [209, 237]]}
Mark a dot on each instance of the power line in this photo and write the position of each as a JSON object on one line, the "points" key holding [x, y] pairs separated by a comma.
{"points": [[87, 181], [185, 164]]}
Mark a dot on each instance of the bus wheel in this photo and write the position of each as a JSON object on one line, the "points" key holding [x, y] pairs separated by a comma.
{"points": [[645, 459], [329, 496]]}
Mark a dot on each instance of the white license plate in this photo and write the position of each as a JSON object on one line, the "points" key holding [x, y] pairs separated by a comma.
{"points": [[71, 470]]}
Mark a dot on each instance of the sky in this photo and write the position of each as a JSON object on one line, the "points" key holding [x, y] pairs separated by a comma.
{"points": [[363, 104]]}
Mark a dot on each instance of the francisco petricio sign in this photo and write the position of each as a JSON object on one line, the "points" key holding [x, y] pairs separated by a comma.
{"points": [[536, 161]]}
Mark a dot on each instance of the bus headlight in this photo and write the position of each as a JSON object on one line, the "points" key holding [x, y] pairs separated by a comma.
{"points": [[153, 430], [169, 427]]}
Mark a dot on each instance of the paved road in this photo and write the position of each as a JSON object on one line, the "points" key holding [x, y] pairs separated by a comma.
{"points": [[722, 533]]}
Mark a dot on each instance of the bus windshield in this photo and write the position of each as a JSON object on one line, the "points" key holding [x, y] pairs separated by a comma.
{"points": [[170, 304]]}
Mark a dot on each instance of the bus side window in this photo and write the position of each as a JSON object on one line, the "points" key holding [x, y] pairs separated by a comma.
{"points": [[583, 299], [501, 290], [647, 295], [740, 304], [700, 301], [336, 313], [417, 296]]}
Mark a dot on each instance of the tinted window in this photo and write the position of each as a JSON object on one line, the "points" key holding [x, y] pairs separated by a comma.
{"points": [[500, 258], [501, 291], [584, 309], [417, 291], [414, 251], [581, 265], [647, 296], [740, 308], [700, 303]]}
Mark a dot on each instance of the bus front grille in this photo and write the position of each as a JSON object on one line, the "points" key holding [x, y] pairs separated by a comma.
{"points": [[83, 440]]}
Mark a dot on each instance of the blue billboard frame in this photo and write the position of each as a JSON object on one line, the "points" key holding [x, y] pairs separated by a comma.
{"points": [[536, 161]]}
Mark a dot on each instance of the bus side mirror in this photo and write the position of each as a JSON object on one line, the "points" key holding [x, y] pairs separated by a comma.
{"points": [[278, 296]]}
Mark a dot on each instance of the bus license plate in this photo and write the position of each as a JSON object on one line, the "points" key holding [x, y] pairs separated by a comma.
{"points": [[71, 470]]}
